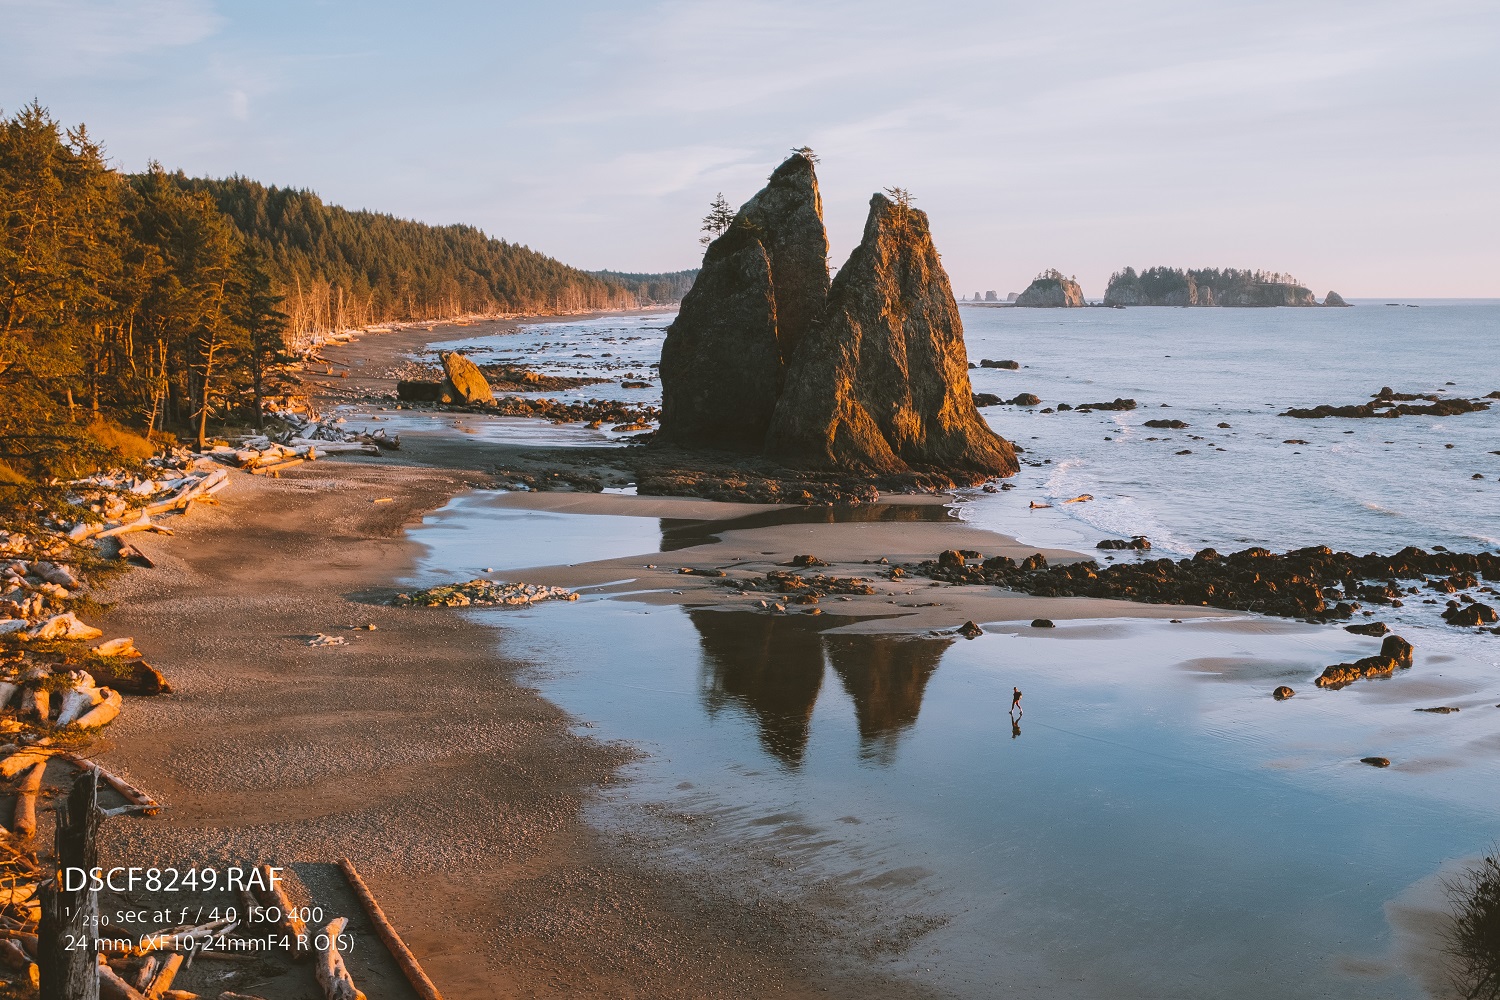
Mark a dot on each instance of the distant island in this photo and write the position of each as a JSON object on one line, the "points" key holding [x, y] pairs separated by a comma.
{"points": [[1052, 289], [1171, 286]]}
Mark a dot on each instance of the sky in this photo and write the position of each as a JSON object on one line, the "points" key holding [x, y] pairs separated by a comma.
{"points": [[1355, 145]]}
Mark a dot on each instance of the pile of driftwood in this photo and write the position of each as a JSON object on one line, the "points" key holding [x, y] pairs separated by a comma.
{"points": [[486, 593]]}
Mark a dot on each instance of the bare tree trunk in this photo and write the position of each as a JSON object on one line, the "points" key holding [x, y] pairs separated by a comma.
{"points": [[66, 963]]}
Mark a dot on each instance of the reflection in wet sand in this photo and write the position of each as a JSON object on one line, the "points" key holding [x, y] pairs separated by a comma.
{"points": [[886, 679], [767, 665], [771, 667]]}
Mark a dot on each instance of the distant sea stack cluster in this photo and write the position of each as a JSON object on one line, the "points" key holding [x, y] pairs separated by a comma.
{"points": [[1171, 286], [865, 374]]}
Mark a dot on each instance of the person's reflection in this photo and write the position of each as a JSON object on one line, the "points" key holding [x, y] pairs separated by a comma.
{"points": [[1015, 728], [770, 666], [886, 676]]}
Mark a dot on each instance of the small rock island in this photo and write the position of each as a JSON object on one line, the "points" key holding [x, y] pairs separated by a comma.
{"points": [[1052, 290]]}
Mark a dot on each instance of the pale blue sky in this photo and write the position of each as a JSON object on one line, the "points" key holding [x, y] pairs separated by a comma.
{"points": [[1354, 144]]}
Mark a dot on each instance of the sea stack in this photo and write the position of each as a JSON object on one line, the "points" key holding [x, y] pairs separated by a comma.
{"points": [[762, 284], [1334, 299], [881, 382], [1051, 290]]}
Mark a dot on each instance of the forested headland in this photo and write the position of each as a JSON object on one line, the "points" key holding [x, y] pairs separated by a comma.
{"points": [[1172, 286], [139, 307]]}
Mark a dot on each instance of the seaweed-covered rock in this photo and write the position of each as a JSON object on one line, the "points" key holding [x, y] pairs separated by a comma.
{"points": [[881, 382]]}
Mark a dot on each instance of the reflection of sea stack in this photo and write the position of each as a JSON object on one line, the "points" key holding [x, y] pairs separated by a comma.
{"points": [[886, 677], [770, 666], [881, 381], [869, 376], [762, 284]]}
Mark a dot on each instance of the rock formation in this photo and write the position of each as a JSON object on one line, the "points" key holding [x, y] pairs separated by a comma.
{"points": [[1334, 299], [881, 382], [762, 284], [465, 382], [1051, 290]]}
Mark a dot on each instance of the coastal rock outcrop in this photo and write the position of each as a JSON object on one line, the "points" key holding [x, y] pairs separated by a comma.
{"points": [[880, 383], [464, 382], [1052, 290], [762, 284], [1334, 299]]}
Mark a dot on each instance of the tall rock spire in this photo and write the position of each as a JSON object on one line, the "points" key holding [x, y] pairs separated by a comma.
{"points": [[881, 382], [761, 285]]}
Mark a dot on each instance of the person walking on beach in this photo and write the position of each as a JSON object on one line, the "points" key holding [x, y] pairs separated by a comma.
{"points": [[1015, 703]]}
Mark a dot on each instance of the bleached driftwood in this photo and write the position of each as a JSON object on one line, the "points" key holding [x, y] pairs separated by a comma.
{"points": [[142, 523], [22, 759], [8, 689], [332, 974], [131, 793], [31, 787], [123, 648], [103, 713], [81, 695], [188, 493], [410, 967]]}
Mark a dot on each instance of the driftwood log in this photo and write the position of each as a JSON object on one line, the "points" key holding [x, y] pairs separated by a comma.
{"points": [[162, 980], [65, 972], [273, 896], [332, 975], [388, 934], [112, 987], [132, 794], [103, 713], [31, 787]]}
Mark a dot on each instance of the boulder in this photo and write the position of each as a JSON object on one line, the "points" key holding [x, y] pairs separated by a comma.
{"points": [[1042, 623], [1007, 365], [1025, 399], [1368, 628], [1471, 615], [970, 631], [1397, 649], [1376, 761], [951, 558], [1051, 291], [465, 382], [762, 284], [1282, 693], [1165, 424], [881, 382], [1334, 299]]}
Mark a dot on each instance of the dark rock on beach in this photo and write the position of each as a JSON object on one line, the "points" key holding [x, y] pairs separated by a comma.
{"points": [[881, 381], [1043, 623], [1172, 424], [982, 399], [1025, 399], [1376, 761], [1368, 628], [1008, 365], [1313, 582], [1139, 542], [1282, 693], [1471, 615]]}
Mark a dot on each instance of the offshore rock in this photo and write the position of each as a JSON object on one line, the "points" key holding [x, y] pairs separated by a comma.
{"points": [[881, 382], [465, 382], [1052, 291], [761, 285], [1334, 299]]}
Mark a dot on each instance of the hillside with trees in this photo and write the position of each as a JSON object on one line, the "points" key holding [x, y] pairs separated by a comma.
{"points": [[136, 307], [1171, 286]]}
